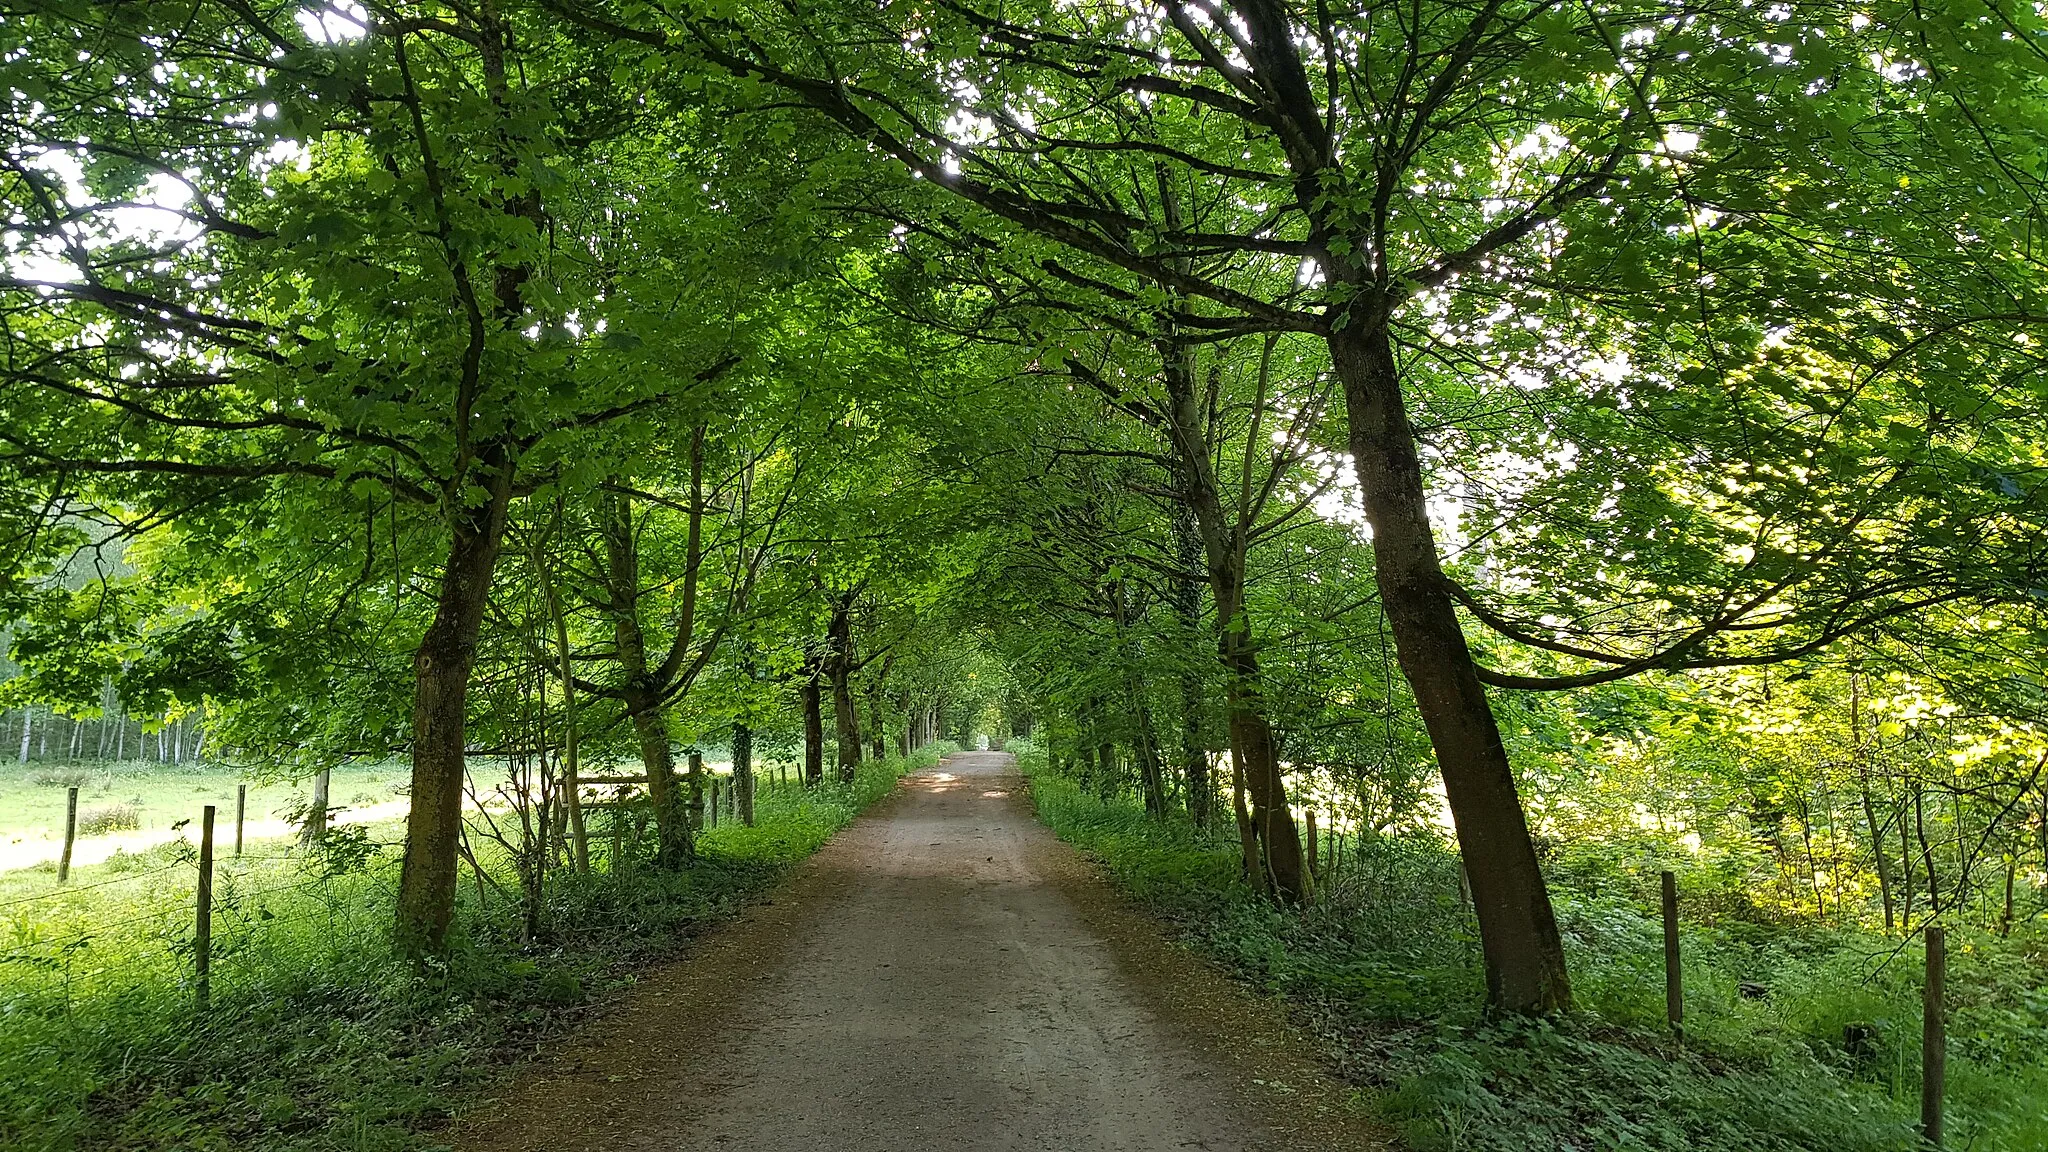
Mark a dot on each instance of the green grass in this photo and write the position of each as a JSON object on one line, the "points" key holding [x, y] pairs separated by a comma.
{"points": [[316, 1039], [1385, 968], [32, 795]]}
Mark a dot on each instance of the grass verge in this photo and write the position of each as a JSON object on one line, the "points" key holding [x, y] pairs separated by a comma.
{"points": [[1385, 969], [316, 1040]]}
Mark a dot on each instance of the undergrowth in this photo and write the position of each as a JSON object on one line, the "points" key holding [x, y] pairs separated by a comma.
{"points": [[316, 1039], [1385, 967]]}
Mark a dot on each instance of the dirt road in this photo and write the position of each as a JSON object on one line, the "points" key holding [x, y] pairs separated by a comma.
{"points": [[943, 975]]}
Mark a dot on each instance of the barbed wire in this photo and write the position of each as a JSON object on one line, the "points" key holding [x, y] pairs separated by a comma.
{"points": [[299, 886], [68, 889]]}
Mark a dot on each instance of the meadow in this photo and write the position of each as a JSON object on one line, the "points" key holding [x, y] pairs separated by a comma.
{"points": [[132, 805]]}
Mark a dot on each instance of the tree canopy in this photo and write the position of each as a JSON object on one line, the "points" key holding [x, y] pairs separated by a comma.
{"points": [[1469, 402]]}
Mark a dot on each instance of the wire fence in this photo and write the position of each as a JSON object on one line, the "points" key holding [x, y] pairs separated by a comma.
{"points": [[200, 916], [160, 928]]}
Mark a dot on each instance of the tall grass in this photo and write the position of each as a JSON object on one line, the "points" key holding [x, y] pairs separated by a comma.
{"points": [[1385, 967], [315, 1038]]}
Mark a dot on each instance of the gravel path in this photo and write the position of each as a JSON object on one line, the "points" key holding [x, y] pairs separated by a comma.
{"points": [[944, 974]]}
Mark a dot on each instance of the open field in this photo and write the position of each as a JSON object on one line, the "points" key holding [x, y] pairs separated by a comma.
{"points": [[160, 797], [163, 799]]}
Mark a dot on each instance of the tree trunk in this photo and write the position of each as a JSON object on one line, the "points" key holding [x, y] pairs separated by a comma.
{"points": [[1145, 749], [1254, 751], [839, 670], [1908, 887], [1247, 832], [1884, 865], [674, 843], [1883, 862], [878, 737], [697, 778], [2012, 866], [1253, 747], [315, 828], [572, 787], [1926, 852], [814, 732], [1965, 889], [1524, 953], [1144, 737], [2041, 829], [441, 669], [1185, 589], [640, 690], [743, 771]]}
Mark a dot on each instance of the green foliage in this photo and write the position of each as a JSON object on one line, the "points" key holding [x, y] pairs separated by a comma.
{"points": [[317, 1039], [655, 366], [108, 818], [1384, 969]]}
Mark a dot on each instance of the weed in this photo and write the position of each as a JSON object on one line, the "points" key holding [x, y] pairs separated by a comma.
{"points": [[110, 818], [83, 779]]}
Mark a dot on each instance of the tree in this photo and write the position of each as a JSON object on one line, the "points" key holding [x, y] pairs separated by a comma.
{"points": [[1355, 172], [298, 334]]}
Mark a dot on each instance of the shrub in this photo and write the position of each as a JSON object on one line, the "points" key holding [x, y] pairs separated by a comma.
{"points": [[84, 779], [112, 818]]}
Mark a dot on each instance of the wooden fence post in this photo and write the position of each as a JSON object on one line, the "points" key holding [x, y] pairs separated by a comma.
{"points": [[241, 810], [1674, 975], [1933, 1036], [202, 933], [696, 773], [70, 834]]}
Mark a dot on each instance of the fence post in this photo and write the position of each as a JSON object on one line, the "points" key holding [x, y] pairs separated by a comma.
{"points": [[1933, 1036], [241, 810], [70, 834], [714, 802], [202, 934], [1674, 975], [696, 773]]}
